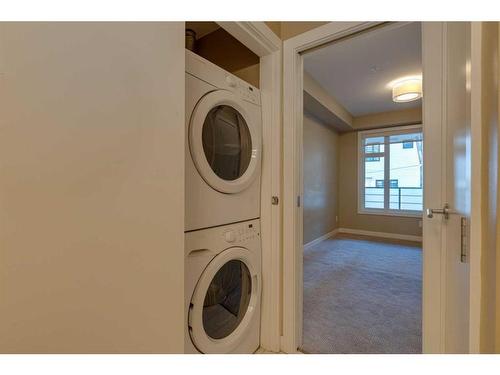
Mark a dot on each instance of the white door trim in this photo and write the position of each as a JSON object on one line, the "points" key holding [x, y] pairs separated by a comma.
{"points": [[259, 38], [292, 170]]}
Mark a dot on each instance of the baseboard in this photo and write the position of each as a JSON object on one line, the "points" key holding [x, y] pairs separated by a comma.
{"points": [[396, 236], [320, 239], [406, 237]]}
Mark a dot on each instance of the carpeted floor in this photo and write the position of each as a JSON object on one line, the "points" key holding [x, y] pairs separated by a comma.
{"points": [[362, 295]]}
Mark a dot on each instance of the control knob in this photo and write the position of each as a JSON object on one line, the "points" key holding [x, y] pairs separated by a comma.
{"points": [[231, 81], [229, 236]]}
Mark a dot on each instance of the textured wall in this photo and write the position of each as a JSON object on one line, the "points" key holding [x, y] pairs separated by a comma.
{"points": [[320, 178], [348, 191]]}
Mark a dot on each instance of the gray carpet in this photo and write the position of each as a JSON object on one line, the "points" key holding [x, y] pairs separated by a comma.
{"points": [[362, 295]]}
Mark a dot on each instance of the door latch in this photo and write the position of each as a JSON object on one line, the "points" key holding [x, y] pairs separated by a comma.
{"points": [[445, 211], [463, 239], [275, 200]]}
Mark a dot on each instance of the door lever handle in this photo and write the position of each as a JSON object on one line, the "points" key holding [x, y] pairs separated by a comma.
{"points": [[445, 211]]}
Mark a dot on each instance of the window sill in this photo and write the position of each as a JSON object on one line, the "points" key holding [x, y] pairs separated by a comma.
{"points": [[418, 214]]}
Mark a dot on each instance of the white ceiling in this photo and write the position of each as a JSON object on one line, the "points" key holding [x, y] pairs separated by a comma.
{"points": [[356, 71]]}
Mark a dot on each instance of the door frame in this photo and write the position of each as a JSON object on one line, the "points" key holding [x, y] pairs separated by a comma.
{"points": [[261, 40], [433, 309], [292, 169]]}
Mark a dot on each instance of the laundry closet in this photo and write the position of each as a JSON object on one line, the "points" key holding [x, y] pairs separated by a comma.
{"points": [[223, 153]]}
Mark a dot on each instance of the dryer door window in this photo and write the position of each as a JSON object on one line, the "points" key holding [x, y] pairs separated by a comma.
{"points": [[227, 142], [227, 299]]}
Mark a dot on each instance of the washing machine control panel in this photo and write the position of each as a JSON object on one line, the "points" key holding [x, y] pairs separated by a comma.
{"points": [[243, 89], [240, 233]]}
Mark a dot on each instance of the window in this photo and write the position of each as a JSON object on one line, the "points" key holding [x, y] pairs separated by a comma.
{"points": [[372, 149], [393, 183], [391, 171]]}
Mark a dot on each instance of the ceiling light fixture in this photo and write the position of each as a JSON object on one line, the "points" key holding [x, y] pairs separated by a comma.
{"points": [[407, 90]]}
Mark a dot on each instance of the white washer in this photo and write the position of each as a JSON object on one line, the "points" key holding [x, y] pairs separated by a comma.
{"points": [[222, 289], [223, 146]]}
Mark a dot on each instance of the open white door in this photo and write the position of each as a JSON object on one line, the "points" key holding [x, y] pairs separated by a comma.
{"points": [[447, 186]]}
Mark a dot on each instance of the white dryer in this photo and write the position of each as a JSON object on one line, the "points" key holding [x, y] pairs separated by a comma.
{"points": [[223, 146], [222, 289]]}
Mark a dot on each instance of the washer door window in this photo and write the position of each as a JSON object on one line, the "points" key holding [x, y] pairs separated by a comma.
{"points": [[227, 298], [224, 302], [224, 144]]}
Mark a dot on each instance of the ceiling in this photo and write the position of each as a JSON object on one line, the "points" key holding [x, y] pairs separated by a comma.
{"points": [[356, 71]]}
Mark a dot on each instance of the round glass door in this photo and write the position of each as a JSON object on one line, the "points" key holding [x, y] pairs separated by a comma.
{"points": [[225, 301], [227, 298], [227, 142]]}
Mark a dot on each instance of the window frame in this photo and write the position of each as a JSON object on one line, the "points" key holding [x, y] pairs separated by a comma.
{"points": [[361, 170]]}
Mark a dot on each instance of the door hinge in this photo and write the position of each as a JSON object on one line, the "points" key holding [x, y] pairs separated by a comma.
{"points": [[275, 200], [298, 200], [463, 239]]}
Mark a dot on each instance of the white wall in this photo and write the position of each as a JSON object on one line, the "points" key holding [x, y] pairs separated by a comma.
{"points": [[91, 187]]}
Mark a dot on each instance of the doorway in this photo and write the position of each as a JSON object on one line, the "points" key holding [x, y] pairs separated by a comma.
{"points": [[363, 193], [441, 64]]}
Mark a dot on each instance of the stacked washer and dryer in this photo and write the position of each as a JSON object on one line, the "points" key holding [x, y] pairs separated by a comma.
{"points": [[222, 226]]}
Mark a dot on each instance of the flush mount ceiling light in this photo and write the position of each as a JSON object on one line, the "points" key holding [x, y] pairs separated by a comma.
{"points": [[407, 90]]}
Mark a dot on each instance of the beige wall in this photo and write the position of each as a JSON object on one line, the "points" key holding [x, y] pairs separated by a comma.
{"points": [[320, 178], [275, 26], [385, 119], [348, 192], [286, 30], [490, 309], [291, 29], [91, 187], [250, 74]]}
